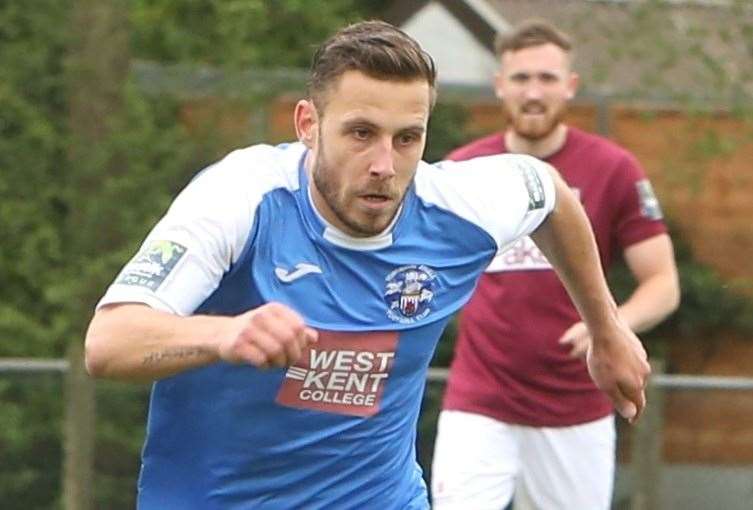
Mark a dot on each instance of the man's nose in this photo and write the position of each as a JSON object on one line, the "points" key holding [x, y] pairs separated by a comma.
{"points": [[383, 163], [533, 91]]}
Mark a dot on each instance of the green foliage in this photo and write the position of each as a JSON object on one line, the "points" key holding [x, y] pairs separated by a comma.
{"points": [[51, 268], [445, 130], [122, 411], [31, 145], [240, 33], [29, 447]]}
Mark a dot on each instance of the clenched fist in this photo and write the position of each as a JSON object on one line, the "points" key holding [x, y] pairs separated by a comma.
{"points": [[272, 335]]}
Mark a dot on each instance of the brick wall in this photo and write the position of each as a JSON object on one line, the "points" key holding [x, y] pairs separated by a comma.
{"points": [[710, 426], [701, 167]]}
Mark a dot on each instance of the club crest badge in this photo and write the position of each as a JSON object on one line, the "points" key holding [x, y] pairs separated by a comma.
{"points": [[409, 290]]}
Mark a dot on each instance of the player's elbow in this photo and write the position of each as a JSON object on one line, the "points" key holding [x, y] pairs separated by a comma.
{"points": [[97, 351], [95, 357], [673, 300], [670, 297]]}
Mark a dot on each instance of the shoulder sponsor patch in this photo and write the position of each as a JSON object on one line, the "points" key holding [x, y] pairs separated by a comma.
{"points": [[649, 203], [534, 186], [152, 265]]}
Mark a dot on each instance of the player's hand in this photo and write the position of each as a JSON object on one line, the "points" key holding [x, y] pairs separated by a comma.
{"points": [[272, 335], [618, 365], [578, 338]]}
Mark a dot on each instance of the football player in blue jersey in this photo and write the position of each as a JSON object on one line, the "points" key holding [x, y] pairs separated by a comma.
{"points": [[288, 303]]}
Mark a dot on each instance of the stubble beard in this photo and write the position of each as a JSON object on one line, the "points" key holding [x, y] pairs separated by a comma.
{"points": [[328, 189], [536, 131]]}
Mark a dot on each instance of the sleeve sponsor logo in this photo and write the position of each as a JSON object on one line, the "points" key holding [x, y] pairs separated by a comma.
{"points": [[534, 186], [650, 207], [409, 290], [344, 373], [522, 255], [152, 265]]}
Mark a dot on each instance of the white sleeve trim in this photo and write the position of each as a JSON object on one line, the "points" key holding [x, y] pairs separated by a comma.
{"points": [[136, 296]]}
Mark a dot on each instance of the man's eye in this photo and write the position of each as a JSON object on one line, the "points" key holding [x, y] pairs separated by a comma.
{"points": [[361, 134], [407, 139]]}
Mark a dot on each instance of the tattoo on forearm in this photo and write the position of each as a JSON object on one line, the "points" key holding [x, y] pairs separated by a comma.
{"points": [[174, 353]]}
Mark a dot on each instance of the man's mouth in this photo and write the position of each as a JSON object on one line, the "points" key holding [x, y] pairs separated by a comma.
{"points": [[375, 197], [375, 200], [534, 109]]}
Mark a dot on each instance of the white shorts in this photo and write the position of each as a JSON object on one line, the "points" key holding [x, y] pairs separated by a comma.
{"points": [[480, 463]]}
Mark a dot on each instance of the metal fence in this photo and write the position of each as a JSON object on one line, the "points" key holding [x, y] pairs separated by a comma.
{"points": [[640, 485], [658, 380]]}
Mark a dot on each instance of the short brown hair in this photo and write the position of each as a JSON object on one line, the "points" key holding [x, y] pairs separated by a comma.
{"points": [[375, 48], [530, 33]]}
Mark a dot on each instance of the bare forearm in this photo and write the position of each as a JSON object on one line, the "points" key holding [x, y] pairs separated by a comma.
{"points": [[568, 243], [652, 263], [136, 342], [615, 358], [651, 302]]}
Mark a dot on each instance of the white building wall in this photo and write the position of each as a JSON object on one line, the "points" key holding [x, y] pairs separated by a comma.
{"points": [[460, 58]]}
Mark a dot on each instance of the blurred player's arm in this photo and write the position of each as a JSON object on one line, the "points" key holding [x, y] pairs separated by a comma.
{"points": [[617, 361], [656, 295], [652, 263], [136, 342]]}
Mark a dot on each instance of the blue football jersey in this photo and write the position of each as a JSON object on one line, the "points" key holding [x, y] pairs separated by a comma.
{"points": [[337, 429]]}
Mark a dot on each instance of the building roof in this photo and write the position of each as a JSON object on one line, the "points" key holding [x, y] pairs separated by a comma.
{"points": [[666, 49]]}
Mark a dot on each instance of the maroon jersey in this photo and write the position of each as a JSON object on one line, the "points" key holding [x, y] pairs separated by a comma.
{"points": [[508, 363]]}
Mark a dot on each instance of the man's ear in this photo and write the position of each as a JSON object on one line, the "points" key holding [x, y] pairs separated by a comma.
{"points": [[498, 85], [306, 121], [572, 85]]}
